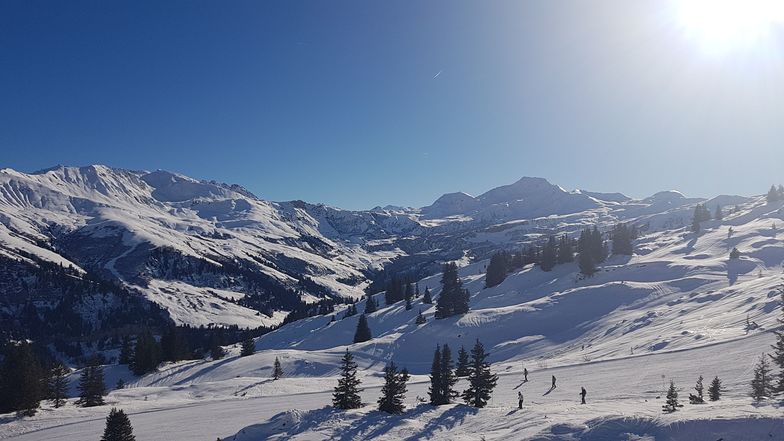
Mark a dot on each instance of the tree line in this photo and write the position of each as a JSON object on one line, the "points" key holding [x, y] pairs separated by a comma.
{"points": [[591, 249]]}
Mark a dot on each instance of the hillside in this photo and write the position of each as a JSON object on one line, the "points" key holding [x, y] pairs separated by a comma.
{"points": [[208, 253], [677, 309]]}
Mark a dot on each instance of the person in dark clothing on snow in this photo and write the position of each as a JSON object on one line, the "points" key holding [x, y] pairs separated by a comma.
{"points": [[525, 374], [583, 393], [519, 400], [553, 387]]}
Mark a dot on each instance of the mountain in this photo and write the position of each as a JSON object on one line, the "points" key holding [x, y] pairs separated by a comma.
{"points": [[676, 309], [207, 253]]}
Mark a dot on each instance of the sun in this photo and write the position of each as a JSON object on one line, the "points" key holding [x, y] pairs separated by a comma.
{"points": [[724, 25]]}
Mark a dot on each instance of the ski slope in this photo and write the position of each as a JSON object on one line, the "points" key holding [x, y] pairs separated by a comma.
{"points": [[622, 397], [677, 309]]}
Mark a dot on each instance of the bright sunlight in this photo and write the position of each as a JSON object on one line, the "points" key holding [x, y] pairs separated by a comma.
{"points": [[725, 25]]}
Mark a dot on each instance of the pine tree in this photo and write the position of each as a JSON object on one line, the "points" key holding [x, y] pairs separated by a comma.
{"points": [[698, 399], [173, 345], [671, 405], [58, 385], [622, 240], [427, 298], [762, 383], [216, 351], [549, 255], [463, 367], [91, 385], [409, 296], [778, 347], [565, 250], [586, 264], [420, 319], [394, 390], [370, 305], [21, 386], [248, 347], [480, 379], [346, 394], [696, 227], [496, 270], [714, 390], [773, 195], [362, 333], [395, 291], [146, 354], [718, 215], [435, 379], [126, 351], [453, 299], [734, 254], [118, 427], [448, 378], [277, 370], [598, 247]]}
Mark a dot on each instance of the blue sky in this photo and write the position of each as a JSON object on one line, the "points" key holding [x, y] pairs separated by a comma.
{"points": [[363, 103]]}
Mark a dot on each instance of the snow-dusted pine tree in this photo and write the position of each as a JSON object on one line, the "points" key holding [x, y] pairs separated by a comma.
{"points": [[480, 379], [463, 368], [346, 394], [762, 383], [394, 390], [277, 370], [118, 427], [671, 405], [715, 390]]}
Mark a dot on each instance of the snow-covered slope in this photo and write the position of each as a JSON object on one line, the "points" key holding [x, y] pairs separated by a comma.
{"points": [[677, 309], [212, 253]]}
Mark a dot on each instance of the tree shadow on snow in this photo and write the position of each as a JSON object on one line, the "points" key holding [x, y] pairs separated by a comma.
{"points": [[447, 420]]}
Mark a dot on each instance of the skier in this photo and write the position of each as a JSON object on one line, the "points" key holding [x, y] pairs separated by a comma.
{"points": [[553, 387], [519, 400], [525, 375], [583, 393]]}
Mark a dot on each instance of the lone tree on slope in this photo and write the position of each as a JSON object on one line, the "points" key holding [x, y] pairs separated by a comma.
{"points": [[346, 394], [277, 370], [118, 427], [394, 390], [362, 333], [671, 405], [481, 381]]}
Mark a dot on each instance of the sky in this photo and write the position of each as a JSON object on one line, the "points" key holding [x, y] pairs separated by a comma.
{"points": [[365, 103]]}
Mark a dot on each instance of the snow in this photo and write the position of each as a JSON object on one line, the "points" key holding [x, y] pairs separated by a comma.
{"points": [[675, 310]]}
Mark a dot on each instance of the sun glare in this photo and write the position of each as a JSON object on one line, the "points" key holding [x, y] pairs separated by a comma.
{"points": [[725, 25]]}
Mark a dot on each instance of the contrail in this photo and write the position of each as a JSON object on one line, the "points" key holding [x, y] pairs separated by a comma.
{"points": [[436, 75]]}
